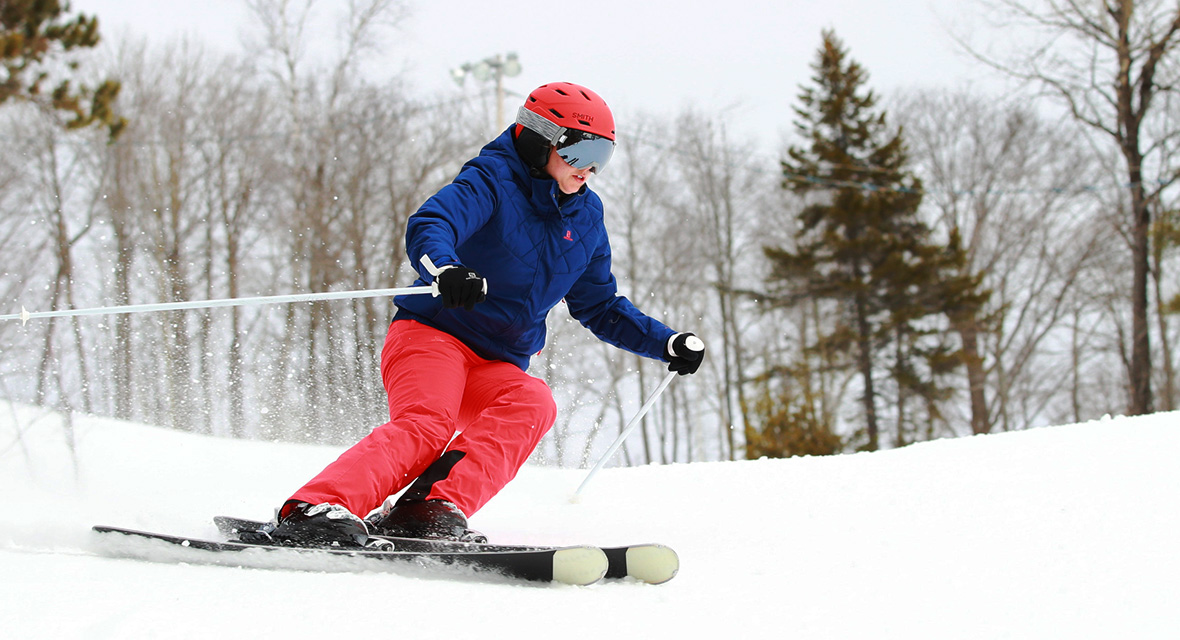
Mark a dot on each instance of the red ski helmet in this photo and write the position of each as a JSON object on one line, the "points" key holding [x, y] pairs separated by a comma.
{"points": [[573, 119]]}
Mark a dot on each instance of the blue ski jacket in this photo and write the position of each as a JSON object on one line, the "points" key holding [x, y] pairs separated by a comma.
{"points": [[509, 227]]}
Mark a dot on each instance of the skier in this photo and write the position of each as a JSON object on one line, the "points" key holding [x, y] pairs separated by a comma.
{"points": [[516, 232]]}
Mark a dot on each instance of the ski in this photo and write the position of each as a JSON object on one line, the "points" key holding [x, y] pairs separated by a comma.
{"points": [[650, 563], [566, 565]]}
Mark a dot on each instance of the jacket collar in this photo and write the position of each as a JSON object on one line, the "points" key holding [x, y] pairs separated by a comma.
{"points": [[541, 190]]}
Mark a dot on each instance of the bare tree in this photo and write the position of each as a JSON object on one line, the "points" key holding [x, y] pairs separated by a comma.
{"points": [[168, 206], [318, 172], [119, 184], [14, 232], [721, 202], [240, 157], [637, 196], [1109, 63], [68, 215], [683, 205], [1010, 185]]}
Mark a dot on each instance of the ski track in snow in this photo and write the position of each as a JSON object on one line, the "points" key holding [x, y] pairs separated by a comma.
{"points": [[1061, 532]]}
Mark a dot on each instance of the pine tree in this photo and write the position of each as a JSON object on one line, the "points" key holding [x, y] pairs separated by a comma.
{"points": [[35, 35], [788, 422], [861, 244]]}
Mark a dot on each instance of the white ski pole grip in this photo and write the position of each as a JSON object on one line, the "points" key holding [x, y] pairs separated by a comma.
{"points": [[435, 270]]}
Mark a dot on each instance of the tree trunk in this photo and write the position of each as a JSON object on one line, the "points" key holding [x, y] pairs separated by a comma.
{"points": [[864, 361], [968, 331]]}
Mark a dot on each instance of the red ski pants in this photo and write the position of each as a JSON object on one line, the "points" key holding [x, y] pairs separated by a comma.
{"points": [[438, 387]]}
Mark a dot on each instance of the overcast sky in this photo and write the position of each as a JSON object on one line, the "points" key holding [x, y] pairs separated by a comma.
{"points": [[741, 59]]}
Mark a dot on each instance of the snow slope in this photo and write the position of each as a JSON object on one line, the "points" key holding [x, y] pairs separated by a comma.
{"points": [[1064, 532]]}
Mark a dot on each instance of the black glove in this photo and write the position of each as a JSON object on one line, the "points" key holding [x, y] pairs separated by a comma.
{"points": [[684, 353], [461, 287]]}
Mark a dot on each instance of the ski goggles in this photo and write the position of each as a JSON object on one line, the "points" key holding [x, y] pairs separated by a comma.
{"points": [[579, 149]]}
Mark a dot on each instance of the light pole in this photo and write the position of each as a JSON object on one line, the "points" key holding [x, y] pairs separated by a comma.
{"points": [[497, 67]]}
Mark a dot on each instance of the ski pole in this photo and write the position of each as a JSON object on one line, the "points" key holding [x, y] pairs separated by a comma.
{"points": [[626, 432], [24, 316]]}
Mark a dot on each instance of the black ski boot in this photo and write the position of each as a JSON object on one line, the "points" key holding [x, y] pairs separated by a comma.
{"points": [[425, 519], [321, 525]]}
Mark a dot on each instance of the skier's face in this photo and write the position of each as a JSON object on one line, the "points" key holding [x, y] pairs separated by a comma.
{"points": [[569, 179]]}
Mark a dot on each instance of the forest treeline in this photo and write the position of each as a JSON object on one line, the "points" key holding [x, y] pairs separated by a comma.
{"points": [[923, 264]]}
